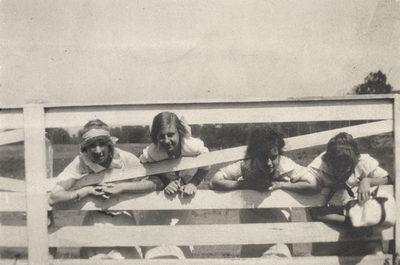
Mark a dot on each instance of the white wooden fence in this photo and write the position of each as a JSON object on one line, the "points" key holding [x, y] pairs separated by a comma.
{"points": [[29, 124]]}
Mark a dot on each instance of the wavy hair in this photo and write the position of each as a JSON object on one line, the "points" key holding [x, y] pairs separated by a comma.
{"points": [[261, 141], [162, 121], [342, 149]]}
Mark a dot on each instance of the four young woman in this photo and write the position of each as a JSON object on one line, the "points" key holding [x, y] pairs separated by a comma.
{"points": [[341, 168]]}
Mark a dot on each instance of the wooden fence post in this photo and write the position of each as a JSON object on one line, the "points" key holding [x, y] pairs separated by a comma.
{"points": [[396, 132], [35, 167]]}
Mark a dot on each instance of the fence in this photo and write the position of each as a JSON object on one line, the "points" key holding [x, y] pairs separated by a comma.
{"points": [[29, 124]]}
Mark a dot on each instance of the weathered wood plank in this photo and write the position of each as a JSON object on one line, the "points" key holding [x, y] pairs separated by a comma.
{"points": [[217, 234], [397, 168], [8, 184], [204, 199], [13, 136], [227, 112], [232, 234], [11, 118], [35, 167], [322, 138], [327, 260]]}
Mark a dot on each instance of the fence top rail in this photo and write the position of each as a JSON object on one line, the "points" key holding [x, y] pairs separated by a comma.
{"points": [[206, 101], [203, 200]]}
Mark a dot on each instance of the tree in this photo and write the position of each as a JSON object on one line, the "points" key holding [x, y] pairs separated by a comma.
{"points": [[374, 83], [58, 136]]}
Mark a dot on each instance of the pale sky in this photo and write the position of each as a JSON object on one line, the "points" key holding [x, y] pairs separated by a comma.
{"points": [[153, 51]]}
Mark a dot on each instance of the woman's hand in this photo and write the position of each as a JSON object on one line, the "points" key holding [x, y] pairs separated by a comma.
{"points": [[364, 191], [173, 187], [188, 189], [258, 185], [110, 189], [91, 190], [275, 185]]}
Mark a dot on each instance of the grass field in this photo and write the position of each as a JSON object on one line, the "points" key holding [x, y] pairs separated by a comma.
{"points": [[12, 166]]}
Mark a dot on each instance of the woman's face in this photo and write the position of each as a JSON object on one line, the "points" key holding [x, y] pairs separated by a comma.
{"points": [[169, 139], [270, 163], [339, 168], [98, 151]]}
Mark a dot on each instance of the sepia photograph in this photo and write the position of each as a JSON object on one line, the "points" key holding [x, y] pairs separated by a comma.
{"points": [[199, 132]]}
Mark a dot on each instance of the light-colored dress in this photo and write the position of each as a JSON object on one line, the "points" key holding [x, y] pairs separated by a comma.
{"points": [[190, 147], [243, 170], [367, 167], [82, 165]]}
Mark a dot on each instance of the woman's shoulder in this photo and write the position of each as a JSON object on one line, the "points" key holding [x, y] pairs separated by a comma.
{"points": [[367, 163], [318, 162], [193, 146], [287, 165], [126, 156], [153, 153]]}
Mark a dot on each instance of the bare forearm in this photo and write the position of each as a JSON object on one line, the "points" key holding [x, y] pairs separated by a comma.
{"points": [[307, 184], [218, 182], [67, 196], [229, 185], [378, 181], [147, 185], [301, 186]]}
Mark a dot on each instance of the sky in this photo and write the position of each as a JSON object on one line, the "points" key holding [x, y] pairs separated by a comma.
{"points": [[85, 52]]}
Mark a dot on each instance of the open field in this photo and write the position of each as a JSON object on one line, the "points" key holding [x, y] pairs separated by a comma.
{"points": [[12, 166]]}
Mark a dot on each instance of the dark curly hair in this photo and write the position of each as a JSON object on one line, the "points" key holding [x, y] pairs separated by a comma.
{"points": [[342, 150], [261, 141]]}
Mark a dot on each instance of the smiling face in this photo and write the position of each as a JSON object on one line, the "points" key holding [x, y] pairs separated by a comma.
{"points": [[169, 140], [99, 152], [270, 162]]}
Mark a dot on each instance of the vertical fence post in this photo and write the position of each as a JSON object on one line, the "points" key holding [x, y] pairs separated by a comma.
{"points": [[35, 167], [396, 131]]}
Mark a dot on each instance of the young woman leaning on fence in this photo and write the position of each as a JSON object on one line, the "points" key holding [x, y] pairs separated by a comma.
{"points": [[265, 169], [172, 139], [97, 153], [346, 172]]}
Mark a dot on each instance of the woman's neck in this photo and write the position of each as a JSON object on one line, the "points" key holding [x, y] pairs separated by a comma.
{"points": [[176, 153], [107, 162]]}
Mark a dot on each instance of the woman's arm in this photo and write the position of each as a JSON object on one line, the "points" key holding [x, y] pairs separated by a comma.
{"points": [[364, 189], [60, 195], [198, 177], [307, 184], [191, 187], [218, 182], [150, 184]]}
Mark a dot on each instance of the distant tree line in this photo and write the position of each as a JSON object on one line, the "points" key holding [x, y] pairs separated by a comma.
{"points": [[215, 136], [125, 134]]}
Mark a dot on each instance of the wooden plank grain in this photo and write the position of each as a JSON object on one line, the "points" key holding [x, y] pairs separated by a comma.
{"points": [[397, 169], [227, 112], [220, 234], [203, 199], [327, 260], [36, 173], [9, 184], [13, 136]]}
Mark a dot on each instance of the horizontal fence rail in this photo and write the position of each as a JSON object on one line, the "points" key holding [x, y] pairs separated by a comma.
{"points": [[211, 234], [300, 110], [204, 199]]}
